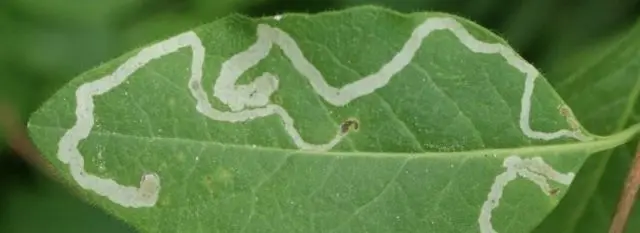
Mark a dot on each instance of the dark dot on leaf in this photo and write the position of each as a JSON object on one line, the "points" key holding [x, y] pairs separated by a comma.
{"points": [[348, 125], [564, 111], [195, 85]]}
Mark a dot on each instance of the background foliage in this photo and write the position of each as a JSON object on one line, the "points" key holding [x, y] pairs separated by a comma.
{"points": [[45, 43]]}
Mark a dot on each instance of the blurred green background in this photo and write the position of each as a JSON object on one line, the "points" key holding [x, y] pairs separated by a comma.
{"points": [[44, 43]]}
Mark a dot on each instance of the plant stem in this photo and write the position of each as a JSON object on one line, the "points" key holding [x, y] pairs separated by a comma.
{"points": [[628, 196], [18, 138]]}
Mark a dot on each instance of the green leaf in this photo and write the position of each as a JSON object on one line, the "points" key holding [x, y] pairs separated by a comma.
{"points": [[73, 12], [604, 95], [362, 120]]}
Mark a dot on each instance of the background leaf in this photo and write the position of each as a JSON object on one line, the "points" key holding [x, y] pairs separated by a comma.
{"points": [[25, 211], [609, 78]]}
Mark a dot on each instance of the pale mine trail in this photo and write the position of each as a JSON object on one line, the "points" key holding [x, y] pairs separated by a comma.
{"points": [[256, 95]]}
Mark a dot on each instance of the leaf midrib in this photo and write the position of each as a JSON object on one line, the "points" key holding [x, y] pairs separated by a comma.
{"points": [[596, 145]]}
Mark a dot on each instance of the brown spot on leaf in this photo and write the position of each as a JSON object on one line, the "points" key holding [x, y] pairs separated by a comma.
{"points": [[565, 111], [209, 184], [195, 85], [349, 125]]}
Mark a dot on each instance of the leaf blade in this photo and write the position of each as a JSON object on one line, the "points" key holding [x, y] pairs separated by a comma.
{"points": [[277, 169]]}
